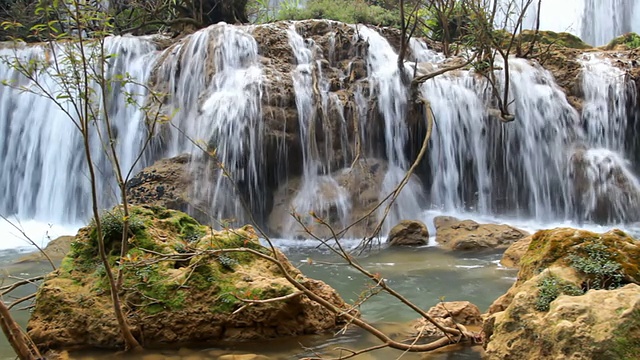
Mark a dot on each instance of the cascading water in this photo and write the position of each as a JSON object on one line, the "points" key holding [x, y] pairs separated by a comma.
{"points": [[606, 94], [44, 175], [213, 81], [319, 192], [479, 164], [596, 22], [392, 95], [603, 20]]}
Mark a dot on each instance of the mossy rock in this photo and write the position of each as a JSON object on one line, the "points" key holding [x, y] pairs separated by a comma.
{"points": [[627, 41], [556, 246], [560, 39], [181, 285]]}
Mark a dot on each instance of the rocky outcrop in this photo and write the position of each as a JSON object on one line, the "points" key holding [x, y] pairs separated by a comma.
{"points": [[408, 233], [169, 183], [456, 234], [577, 296], [178, 288]]}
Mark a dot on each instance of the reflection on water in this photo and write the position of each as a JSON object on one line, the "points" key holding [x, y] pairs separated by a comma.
{"points": [[424, 275]]}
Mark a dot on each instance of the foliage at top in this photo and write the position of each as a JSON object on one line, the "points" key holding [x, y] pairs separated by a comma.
{"points": [[347, 11]]}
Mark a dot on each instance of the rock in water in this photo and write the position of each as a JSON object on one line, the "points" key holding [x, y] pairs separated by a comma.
{"points": [[178, 288], [576, 298], [456, 234], [408, 233]]}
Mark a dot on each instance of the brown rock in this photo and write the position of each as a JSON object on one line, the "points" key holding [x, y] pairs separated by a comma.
{"points": [[458, 234], [408, 233], [56, 249], [446, 314], [243, 357], [175, 303], [513, 254]]}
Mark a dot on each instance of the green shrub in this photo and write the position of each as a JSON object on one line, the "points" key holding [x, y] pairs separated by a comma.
{"points": [[550, 287], [596, 261], [348, 11]]}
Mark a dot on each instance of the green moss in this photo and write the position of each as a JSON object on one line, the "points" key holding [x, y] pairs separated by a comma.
{"points": [[629, 41], [627, 339], [562, 39]]}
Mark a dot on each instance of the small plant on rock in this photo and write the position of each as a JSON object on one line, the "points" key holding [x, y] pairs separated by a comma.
{"points": [[597, 262], [550, 287]]}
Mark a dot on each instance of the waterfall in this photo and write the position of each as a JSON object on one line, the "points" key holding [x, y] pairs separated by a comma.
{"points": [[341, 88], [213, 83], [319, 194], [392, 95], [482, 165], [44, 175]]}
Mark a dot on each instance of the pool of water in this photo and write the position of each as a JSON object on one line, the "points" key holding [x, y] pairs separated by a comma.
{"points": [[425, 275]]}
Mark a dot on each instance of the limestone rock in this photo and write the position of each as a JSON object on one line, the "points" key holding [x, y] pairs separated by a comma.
{"points": [[56, 249], [408, 233], [602, 324], [596, 324], [446, 314], [176, 301], [513, 254], [458, 234]]}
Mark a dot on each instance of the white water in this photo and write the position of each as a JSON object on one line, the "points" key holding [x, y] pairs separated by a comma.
{"points": [[213, 83], [44, 174]]}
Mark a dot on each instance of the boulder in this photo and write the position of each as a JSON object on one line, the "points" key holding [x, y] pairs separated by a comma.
{"points": [[178, 288], [577, 296], [456, 234], [513, 254], [408, 233], [446, 314]]}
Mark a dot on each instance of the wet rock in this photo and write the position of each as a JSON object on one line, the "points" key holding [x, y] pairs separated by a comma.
{"points": [[456, 234], [173, 302], [408, 233]]}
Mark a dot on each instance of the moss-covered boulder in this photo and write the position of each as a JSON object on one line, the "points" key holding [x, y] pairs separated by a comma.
{"points": [[628, 41], [178, 288], [577, 296]]}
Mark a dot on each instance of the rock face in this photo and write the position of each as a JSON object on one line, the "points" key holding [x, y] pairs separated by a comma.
{"points": [[408, 233], [458, 234], [175, 298], [557, 309], [168, 183]]}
